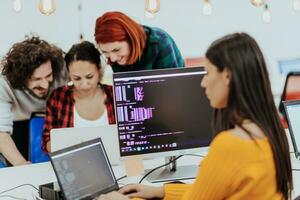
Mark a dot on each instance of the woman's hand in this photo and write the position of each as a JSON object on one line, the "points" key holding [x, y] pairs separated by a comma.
{"points": [[142, 191], [113, 196]]}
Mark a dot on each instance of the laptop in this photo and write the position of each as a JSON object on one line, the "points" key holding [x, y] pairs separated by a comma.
{"points": [[65, 137], [83, 171], [292, 111]]}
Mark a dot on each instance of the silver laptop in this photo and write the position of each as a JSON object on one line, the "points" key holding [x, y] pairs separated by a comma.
{"points": [[292, 112], [83, 171], [65, 137]]}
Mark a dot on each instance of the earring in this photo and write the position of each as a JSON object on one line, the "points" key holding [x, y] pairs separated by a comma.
{"points": [[70, 83]]}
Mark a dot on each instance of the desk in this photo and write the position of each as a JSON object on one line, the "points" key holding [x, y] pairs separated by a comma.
{"points": [[41, 173], [35, 174]]}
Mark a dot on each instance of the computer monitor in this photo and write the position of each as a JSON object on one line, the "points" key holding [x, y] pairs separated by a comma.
{"points": [[292, 110], [162, 112], [287, 66]]}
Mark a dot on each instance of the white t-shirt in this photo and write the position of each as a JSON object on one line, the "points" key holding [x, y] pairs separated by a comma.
{"points": [[81, 122]]}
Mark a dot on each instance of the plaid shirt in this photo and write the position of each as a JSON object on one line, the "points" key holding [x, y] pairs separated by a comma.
{"points": [[160, 52], [60, 107]]}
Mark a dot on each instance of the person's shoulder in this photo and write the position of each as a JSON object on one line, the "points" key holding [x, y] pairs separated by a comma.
{"points": [[155, 34], [2, 79], [238, 146], [155, 30], [233, 137], [61, 90], [254, 129], [226, 141], [5, 87], [223, 138], [226, 147]]}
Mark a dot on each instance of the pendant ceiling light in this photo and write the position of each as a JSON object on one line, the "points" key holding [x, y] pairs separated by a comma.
{"points": [[207, 8], [258, 3], [17, 5], [47, 7], [266, 16], [296, 5], [152, 6]]}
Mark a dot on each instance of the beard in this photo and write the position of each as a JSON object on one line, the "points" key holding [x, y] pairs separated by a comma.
{"points": [[44, 97]]}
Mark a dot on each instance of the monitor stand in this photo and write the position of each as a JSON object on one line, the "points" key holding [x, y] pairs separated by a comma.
{"points": [[172, 172]]}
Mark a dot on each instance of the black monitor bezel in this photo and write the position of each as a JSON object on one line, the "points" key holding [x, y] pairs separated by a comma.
{"points": [[133, 74]]}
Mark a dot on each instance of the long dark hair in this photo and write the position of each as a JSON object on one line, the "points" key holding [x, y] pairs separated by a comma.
{"points": [[250, 97]]}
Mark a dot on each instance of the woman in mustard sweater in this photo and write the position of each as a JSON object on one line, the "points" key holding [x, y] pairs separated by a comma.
{"points": [[249, 155]]}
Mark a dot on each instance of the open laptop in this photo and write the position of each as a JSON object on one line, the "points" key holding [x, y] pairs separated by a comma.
{"points": [[292, 111], [83, 171], [65, 137]]}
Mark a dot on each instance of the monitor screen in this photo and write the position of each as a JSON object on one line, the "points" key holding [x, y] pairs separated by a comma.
{"points": [[292, 109], [161, 110]]}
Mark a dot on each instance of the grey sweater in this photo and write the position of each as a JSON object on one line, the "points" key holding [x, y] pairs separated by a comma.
{"points": [[18, 105]]}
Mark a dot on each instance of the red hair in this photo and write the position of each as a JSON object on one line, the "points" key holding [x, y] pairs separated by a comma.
{"points": [[116, 26]]}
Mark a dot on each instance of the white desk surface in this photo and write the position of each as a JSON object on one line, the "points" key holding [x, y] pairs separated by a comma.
{"points": [[41, 173]]}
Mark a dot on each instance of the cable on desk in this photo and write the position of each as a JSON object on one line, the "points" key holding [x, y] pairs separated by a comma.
{"points": [[26, 184], [13, 197], [156, 168], [197, 155], [121, 177]]}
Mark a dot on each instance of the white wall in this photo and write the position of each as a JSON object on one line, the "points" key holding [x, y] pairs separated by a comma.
{"points": [[183, 19]]}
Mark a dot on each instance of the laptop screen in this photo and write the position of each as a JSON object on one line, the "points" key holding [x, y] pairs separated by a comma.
{"points": [[292, 110], [83, 171]]}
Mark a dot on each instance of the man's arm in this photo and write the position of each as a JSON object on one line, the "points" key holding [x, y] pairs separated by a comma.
{"points": [[7, 145], [10, 151]]}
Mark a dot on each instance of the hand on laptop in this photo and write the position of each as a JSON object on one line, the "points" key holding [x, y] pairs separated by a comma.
{"points": [[113, 196], [134, 190], [142, 191]]}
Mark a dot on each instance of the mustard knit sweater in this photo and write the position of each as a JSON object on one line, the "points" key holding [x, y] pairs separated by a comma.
{"points": [[234, 168]]}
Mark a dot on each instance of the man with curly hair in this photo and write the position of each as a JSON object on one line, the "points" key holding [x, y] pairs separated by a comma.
{"points": [[29, 72]]}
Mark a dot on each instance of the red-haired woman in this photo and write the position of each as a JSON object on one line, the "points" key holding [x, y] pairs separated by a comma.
{"points": [[129, 46]]}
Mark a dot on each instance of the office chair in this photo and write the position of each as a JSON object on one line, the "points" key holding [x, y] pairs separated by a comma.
{"points": [[36, 125], [2, 164], [291, 91], [21, 137], [194, 62]]}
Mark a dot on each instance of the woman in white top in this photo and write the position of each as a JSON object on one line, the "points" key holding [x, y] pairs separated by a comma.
{"points": [[83, 103]]}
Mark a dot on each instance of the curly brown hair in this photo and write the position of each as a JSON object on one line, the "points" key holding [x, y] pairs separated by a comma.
{"points": [[26, 56]]}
